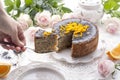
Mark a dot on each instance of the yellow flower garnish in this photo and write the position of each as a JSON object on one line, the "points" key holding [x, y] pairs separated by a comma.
{"points": [[46, 33], [74, 27]]}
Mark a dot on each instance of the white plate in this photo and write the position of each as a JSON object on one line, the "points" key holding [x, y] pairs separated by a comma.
{"points": [[39, 71], [65, 55]]}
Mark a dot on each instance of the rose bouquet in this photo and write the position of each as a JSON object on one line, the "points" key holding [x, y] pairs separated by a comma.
{"points": [[37, 11], [31, 7]]}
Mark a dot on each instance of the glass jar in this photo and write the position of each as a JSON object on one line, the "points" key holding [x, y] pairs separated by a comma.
{"points": [[91, 10]]}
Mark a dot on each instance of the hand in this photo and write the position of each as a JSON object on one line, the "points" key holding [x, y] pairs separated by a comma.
{"points": [[11, 31]]}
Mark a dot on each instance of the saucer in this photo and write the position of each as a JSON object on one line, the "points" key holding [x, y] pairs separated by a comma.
{"points": [[37, 71]]}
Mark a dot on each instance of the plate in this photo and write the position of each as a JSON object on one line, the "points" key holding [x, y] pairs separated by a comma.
{"points": [[65, 55], [37, 71]]}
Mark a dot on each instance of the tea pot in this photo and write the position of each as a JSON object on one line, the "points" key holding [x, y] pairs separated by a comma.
{"points": [[91, 10]]}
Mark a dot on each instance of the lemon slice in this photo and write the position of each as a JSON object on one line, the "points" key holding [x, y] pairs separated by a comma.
{"points": [[4, 69]]}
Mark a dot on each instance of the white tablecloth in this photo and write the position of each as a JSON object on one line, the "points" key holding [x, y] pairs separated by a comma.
{"points": [[81, 71]]}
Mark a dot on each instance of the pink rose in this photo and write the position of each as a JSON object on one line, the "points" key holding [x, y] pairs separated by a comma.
{"points": [[106, 67], [112, 25], [55, 19], [112, 28], [43, 19]]}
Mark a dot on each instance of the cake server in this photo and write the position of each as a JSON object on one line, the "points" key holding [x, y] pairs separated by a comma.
{"points": [[12, 44]]}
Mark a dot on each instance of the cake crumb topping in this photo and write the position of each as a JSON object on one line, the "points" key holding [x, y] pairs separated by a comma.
{"points": [[77, 28]]}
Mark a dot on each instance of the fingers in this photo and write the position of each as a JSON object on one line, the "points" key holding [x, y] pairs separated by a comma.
{"points": [[18, 37], [16, 40], [21, 35], [8, 47], [13, 47], [21, 40], [17, 49]]}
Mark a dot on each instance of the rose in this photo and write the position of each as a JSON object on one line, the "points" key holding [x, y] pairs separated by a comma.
{"points": [[106, 67], [43, 19], [71, 15], [24, 24], [25, 21], [30, 33], [112, 25], [112, 28], [55, 19]]}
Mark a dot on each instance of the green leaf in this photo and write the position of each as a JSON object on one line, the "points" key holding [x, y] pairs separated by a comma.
{"points": [[32, 14], [22, 8], [39, 3], [66, 10], [28, 2], [116, 7], [27, 10], [54, 4], [17, 15], [46, 6], [31, 7], [117, 0], [8, 2], [116, 14], [58, 0], [8, 9], [36, 9], [109, 5], [18, 3], [117, 66]]}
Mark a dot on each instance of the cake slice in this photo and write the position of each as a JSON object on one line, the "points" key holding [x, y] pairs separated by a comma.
{"points": [[45, 41]]}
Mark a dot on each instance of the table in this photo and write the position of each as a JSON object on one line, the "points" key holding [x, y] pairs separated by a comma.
{"points": [[81, 71], [73, 71]]}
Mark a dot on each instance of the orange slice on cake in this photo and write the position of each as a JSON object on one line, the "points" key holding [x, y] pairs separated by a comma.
{"points": [[4, 69], [114, 54]]}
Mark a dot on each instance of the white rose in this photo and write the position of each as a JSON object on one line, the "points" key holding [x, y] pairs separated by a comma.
{"points": [[55, 19], [25, 21], [106, 67], [30, 33], [24, 24], [43, 19], [112, 25]]}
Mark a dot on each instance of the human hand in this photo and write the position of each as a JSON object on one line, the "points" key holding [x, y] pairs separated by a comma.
{"points": [[11, 31]]}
